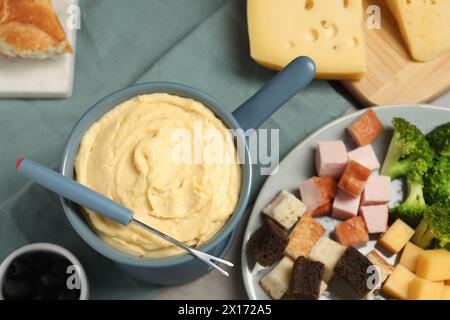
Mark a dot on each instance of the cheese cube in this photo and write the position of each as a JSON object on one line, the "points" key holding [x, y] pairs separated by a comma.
{"points": [[434, 265], [328, 252], [376, 218], [285, 209], [397, 236], [421, 289], [366, 156], [330, 32], [377, 191], [397, 285], [425, 26], [331, 158], [446, 293], [276, 282], [345, 206], [410, 255]]}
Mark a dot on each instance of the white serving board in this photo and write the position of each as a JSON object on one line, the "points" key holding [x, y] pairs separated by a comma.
{"points": [[49, 78]]}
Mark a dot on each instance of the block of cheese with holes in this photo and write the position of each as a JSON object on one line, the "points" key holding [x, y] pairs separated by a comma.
{"points": [[330, 32], [425, 26]]}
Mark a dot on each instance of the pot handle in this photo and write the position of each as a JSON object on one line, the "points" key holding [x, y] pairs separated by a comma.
{"points": [[287, 83]]}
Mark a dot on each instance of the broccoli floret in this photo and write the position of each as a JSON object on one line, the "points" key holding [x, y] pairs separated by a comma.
{"points": [[439, 139], [435, 226], [437, 182], [411, 211], [436, 245], [408, 144]]}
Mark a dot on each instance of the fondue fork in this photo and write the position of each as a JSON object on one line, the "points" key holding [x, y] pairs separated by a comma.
{"points": [[96, 202]]}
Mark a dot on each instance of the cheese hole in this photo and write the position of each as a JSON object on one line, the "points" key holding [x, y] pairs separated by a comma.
{"points": [[312, 35], [309, 4], [346, 3], [291, 44], [354, 42], [330, 29]]}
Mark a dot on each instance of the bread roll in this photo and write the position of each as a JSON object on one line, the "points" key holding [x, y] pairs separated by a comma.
{"points": [[31, 29]]}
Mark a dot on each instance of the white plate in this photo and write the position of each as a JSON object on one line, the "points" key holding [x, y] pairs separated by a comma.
{"points": [[34, 78], [299, 166]]}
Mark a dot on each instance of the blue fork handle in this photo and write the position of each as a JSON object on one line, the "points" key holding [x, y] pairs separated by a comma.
{"points": [[74, 191], [286, 84]]}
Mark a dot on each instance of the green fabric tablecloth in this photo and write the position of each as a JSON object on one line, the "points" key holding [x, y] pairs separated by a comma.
{"points": [[203, 43]]}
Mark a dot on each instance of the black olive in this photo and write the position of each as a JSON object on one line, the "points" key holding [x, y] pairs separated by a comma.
{"points": [[20, 266], [17, 289], [41, 261], [60, 265], [69, 295], [45, 296], [39, 288], [40, 292], [52, 280]]}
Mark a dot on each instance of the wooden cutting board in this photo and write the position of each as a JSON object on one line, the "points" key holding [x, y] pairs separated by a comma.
{"points": [[392, 76]]}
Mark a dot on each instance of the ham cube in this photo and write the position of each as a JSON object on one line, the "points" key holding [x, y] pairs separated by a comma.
{"points": [[366, 129], [345, 206], [354, 178], [376, 218], [365, 156], [352, 232], [331, 158], [318, 194], [377, 191]]}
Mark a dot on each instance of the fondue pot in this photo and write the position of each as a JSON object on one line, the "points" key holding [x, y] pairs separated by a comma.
{"points": [[250, 115]]}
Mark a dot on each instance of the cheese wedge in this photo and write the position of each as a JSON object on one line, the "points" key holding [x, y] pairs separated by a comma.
{"points": [[329, 32], [425, 26]]}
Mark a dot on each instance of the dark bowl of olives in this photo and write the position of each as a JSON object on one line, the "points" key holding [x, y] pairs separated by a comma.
{"points": [[42, 271]]}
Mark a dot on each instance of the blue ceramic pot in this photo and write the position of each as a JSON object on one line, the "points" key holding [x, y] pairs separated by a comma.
{"points": [[185, 268]]}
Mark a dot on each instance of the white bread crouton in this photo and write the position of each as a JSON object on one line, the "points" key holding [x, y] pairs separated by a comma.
{"points": [[276, 282], [328, 252], [285, 209], [384, 267]]}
